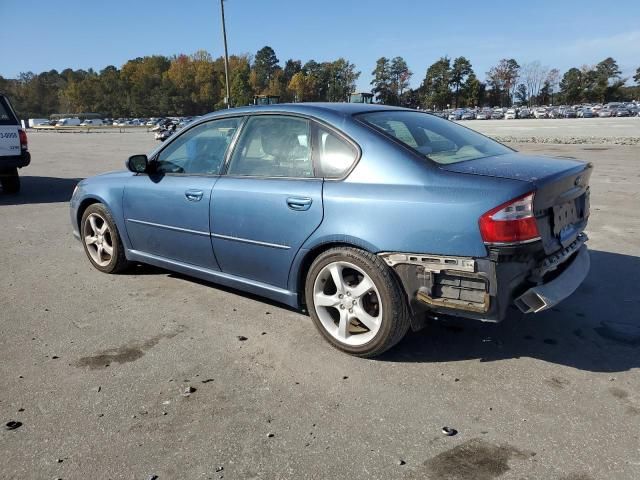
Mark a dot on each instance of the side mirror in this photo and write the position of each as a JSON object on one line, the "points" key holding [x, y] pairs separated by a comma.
{"points": [[138, 163]]}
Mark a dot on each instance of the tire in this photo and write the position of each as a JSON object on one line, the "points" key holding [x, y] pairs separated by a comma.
{"points": [[383, 304], [10, 180], [96, 239]]}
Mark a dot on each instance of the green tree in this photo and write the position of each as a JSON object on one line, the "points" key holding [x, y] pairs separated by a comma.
{"points": [[382, 82], [521, 94], [435, 87], [636, 77], [459, 72], [400, 76], [265, 65], [473, 91], [503, 79], [572, 86]]}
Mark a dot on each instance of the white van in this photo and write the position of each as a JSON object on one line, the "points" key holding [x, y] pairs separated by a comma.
{"points": [[68, 122], [91, 122], [35, 122]]}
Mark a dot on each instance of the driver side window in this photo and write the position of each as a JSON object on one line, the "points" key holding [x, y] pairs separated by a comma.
{"points": [[200, 150]]}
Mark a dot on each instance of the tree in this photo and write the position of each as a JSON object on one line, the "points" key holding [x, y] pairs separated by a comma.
{"points": [[636, 77], [400, 75], [571, 86], [435, 87], [521, 94], [473, 91], [302, 86], [383, 82], [459, 72], [534, 75], [503, 78], [607, 80], [551, 82], [265, 65]]}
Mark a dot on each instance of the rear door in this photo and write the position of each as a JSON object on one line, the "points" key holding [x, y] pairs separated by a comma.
{"points": [[269, 202]]}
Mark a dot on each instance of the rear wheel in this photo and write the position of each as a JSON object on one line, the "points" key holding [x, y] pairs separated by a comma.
{"points": [[101, 240], [10, 180], [356, 302]]}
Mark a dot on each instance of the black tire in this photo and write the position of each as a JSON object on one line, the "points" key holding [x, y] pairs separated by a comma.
{"points": [[118, 261], [10, 180], [395, 320]]}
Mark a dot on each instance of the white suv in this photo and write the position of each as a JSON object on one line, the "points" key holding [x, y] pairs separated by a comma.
{"points": [[14, 152]]}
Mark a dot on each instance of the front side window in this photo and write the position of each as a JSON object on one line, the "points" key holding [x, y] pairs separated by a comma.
{"points": [[273, 146], [335, 155], [440, 140], [200, 150]]}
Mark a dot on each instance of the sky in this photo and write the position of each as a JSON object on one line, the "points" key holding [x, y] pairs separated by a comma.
{"points": [[55, 34]]}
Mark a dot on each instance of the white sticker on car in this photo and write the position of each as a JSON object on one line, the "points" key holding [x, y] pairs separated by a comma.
{"points": [[9, 140]]}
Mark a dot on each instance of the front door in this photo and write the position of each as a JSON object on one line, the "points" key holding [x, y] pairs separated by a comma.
{"points": [[269, 202], [167, 211]]}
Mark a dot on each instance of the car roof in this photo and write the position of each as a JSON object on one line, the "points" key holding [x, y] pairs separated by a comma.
{"points": [[319, 109]]}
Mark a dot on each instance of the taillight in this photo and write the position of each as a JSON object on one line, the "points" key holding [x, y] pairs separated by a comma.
{"points": [[23, 139], [511, 222]]}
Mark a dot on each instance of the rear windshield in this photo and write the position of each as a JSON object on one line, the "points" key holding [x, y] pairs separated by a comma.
{"points": [[440, 140], [6, 115]]}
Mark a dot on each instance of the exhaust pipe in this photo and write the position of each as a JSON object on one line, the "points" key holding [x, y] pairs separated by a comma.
{"points": [[530, 302]]}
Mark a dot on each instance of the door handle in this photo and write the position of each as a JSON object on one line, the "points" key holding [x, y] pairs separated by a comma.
{"points": [[193, 195], [299, 203]]}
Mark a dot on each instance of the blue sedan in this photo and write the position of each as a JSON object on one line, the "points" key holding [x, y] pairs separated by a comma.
{"points": [[370, 217]]}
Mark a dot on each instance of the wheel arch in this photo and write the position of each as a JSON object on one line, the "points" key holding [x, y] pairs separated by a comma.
{"points": [[307, 255]]}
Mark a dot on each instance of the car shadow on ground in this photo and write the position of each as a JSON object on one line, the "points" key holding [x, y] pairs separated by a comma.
{"points": [[596, 329], [36, 190]]}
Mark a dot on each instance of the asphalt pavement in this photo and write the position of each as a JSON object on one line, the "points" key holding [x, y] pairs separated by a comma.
{"points": [[144, 374]]}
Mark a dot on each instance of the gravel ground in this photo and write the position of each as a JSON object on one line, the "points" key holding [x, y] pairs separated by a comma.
{"points": [[143, 374]]}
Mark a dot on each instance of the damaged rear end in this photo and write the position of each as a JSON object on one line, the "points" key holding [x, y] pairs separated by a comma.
{"points": [[535, 244]]}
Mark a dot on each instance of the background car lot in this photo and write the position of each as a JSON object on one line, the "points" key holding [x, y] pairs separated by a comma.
{"points": [[555, 396]]}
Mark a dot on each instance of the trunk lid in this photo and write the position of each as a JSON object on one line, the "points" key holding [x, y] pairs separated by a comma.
{"points": [[561, 186]]}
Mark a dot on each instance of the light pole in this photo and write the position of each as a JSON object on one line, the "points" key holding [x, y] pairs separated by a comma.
{"points": [[226, 56]]}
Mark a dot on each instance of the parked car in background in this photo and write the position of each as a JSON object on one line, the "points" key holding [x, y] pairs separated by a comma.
{"points": [[469, 115], [37, 122], [524, 113], [484, 114], [622, 112], [540, 113], [462, 225], [585, 112], [605, 113], [456, 115], [68, 122], [497, 114], [511, 114], [93, 122], [14, 149]]}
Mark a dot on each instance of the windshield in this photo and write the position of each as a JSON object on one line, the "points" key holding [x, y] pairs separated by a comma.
{"points": [[439, 140]]}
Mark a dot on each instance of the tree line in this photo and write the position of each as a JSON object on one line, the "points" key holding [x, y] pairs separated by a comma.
{"points": [[194, 84]]}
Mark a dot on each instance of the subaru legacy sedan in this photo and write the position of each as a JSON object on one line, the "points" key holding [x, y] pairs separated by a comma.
{"points": [[369, 217]]}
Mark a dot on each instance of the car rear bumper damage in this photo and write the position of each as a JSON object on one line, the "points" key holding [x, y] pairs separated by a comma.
{"points": [[484, 288]]}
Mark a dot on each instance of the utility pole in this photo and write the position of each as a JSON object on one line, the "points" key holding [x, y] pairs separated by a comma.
{"points": [[226, 56]]}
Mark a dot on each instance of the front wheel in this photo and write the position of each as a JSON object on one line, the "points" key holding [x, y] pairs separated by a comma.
{"points": [[10, 180], [101, 240], [356, 302]]}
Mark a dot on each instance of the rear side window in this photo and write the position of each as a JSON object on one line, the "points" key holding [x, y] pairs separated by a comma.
{"points": [[273, 146], [335, 155], [6, 114]]}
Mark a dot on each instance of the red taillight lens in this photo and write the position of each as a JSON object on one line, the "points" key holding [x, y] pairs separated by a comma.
{"points": [[511, 222], [23, 139]]}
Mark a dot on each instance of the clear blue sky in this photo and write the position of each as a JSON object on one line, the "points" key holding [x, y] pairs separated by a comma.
{"points": [[47, 34]]}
